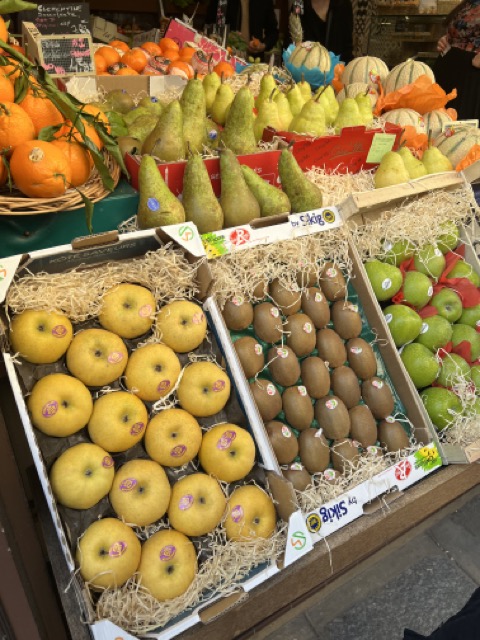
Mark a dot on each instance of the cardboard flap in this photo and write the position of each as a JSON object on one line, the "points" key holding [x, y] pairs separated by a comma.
{"points": [[94, 240], [221, 606]]}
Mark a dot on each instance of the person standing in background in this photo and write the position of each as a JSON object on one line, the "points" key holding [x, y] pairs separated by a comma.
{"points": [[458, 65]]}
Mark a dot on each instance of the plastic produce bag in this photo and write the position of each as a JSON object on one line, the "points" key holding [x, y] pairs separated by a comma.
{"points": [[423, 96]]}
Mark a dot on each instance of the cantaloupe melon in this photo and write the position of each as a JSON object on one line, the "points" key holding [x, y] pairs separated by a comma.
{"points": [[311, 55], [352, 90], [365, 69], [405, 117], [456, 145], [406, 73], [434, 121]]}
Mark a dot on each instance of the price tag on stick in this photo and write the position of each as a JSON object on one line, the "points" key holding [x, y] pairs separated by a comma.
{"points": [[382, 143]]}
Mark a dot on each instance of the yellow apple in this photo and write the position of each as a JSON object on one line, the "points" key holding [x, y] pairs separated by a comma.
{"points": [[118, 421], [152, 372], [97, 357], [82, 476], [168, 564], [40, 337], [182, 325], [173, 437], [227, 452], [128, 310], [250, 514], [197, 504], [108, 553], [204, 389], [60, 405], [140, 492]]}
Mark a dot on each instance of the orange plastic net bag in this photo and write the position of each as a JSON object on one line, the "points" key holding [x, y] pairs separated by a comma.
{"points": [[423, 96]]}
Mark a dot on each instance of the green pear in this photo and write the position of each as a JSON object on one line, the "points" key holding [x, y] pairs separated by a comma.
{"points": [[238, 203], [142, 127], [130, 117], [417, 289], [272, 201], [448, 304], [414, 166], [436, 332], [166, 140], [390, 171], [442, 405], [303, 194], [386, 280], [311, 119], [157, 206], [211, 83], [295, 99], [305, 89], [198, 198], [194, 111], [127, 144], [365, 108], [268, 86], [238, 133], [421, 364], [267, 117], [212, 134], [435, 161], [284, 112], [465, 333], [348, 115], [322, 99], [330, 95], [397, 252], [449, 238], [454, 369], [152, 104], [470, 316], [463, 270], [120, 101], [222, 103], [404, 323], [430, 261]]}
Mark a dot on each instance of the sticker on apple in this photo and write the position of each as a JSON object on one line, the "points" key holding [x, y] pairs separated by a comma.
{"points": [[186, 502], [167, 552], [163, 385], [145, 311], [237, 513], [128, 484], [117, 549], [50, 409], [197, 318], [107, 462], [59, 331], [178, 451], [226, 440], [388, 318], [218, 385], [424, 328], [115, 357], [386, 284]]}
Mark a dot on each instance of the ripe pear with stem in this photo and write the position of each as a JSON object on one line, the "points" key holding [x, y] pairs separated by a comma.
{"points": [[267, 117], [238, 203], [435, 161], [295, 99], [267, 87], [390, 171], [194, 111], [348, 115], [365, 108], [157, 206], [305, 88], [272, 201], [166, 141], [222, 102], [211, 82], [414, 166], [284, 112], [322, 99], [303, 194], [198, 199], [238, 134], [311, 119]]}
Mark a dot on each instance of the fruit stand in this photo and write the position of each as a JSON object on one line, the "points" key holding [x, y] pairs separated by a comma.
{"points": [[239, 315]]}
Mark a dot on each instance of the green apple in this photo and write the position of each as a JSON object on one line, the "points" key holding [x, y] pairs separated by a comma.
{"points": [[470, 316], [436, 331], [118, 421], [227, 452], [430, 261], [463, 270], [40, 337], [59, 405], [475, 375], [197, 504], [173, 437], [204, 389], [152, 371], [182, 325], [397, 252], [168, 564], [108, 553], [472, 410], [442, 405], [82, 476], [250, 514], [97, 357], [386, 280], [404, 323], [140, 492], [417, 289], [421, 364], [128, 310], [448, 304], [454, 369], [463, 332], [449, 238]]}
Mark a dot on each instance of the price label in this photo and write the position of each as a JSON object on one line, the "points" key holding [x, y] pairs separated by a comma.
{"points": [[382, 143]]}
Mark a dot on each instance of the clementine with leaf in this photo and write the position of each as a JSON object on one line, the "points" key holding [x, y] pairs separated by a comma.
{"points": [[3, 30], [7, 91], [41, 110], [16, 126], [40, 170], [80, 161]]}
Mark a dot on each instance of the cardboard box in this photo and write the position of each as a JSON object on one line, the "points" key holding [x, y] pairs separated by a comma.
{"points": [[153, 35], [105, 31], [80, 87]]}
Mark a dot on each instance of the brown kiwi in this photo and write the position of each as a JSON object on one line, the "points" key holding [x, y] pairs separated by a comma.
{"points": [[363, 426], [332, 282], [267, 398], [378, 396], [284, 442], [361, 358], [301, 337], [332, 415], [347, 322], [288, 301], [331, 348], [345, 386], [314, 450], [238, 314], [315, 305], [250, 354], [267, 322], [392, 435], [298, 476], [283, 365], [297, 407], [315, 377], [260, 290], [307, 278], [344, 452]]}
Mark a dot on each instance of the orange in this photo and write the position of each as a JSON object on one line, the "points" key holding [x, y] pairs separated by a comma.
{"points": [[79, 160], [150, 71], [152, 48], [186, 53], [119, 44], [135, 59], [109, 54], [16, 126], [171, 54], [7, 92], [41, 110], [168, 43], [127, 71], [3, 172], [225, 69], [40, 170], [3, 30], [100, 63], [179, 68], [11, 70]]}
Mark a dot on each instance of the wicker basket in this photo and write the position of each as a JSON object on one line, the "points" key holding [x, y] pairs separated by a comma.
{"points": [[14, 203]]}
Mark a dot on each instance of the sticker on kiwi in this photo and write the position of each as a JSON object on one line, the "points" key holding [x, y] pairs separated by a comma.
{"points": [[226, 439], [356, 350], [185, 502], [153, 204], [258, 349], [137, 428], [386, 284], [218, 385], [59, 331], [302, 390], [128, 484], [274, 312], [378, 384], [197, 318], [167, 552], [237, 513], [372, 450], [296, 466], [145, 311], [107, 462], [352, 307], [178, 451], [238, 300], [329, 474], [117, 549], [286, 433], [271, 389], [331, 272], [318, 433], [50, 409], [115, 357], [318, 297], [163, 385], [282, 353], [390, 419], [331, 404], [388, 318], [307, 327]]}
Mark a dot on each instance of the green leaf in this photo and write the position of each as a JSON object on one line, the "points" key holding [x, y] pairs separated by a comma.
{"points": [[88, 204], [12, 6], [48, 133], [9, 175], [117, 124], [21, 87]]}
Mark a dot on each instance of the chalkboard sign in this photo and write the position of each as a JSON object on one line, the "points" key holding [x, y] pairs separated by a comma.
{"points": [[66, 55], [58, 18]]}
